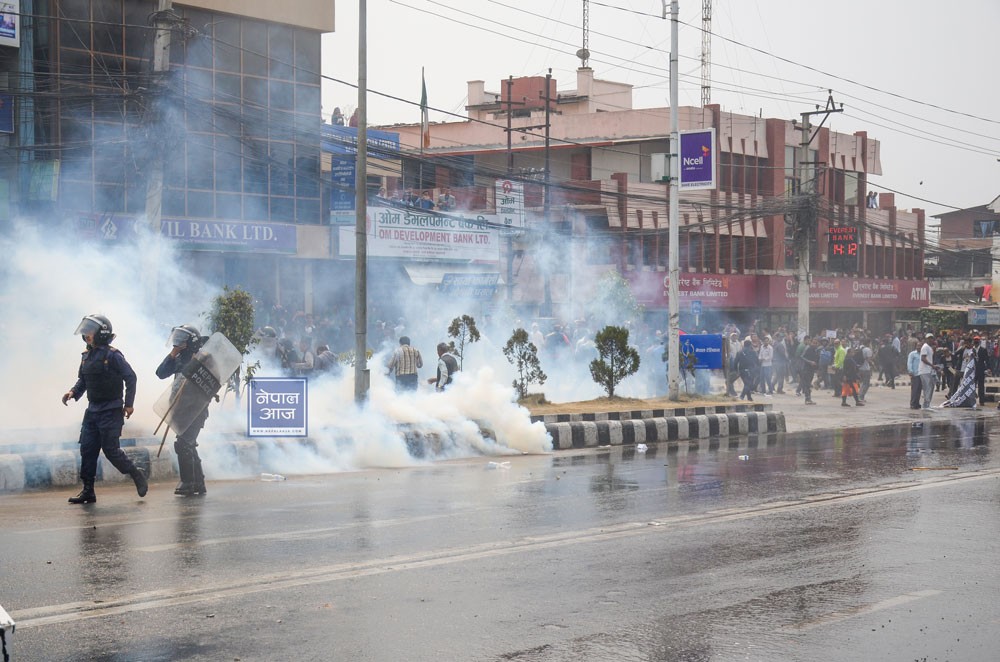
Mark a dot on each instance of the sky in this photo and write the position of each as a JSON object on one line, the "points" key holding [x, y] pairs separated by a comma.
{"points": [[916, 74]]}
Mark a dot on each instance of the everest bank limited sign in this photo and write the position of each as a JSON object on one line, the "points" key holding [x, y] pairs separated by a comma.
{"points": [[650, 288]]}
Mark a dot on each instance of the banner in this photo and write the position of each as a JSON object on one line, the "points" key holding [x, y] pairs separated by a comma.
{"points": [[419, 234], [966, 394], [697, 169], [278, 407], [10, 23], [828, 292]]}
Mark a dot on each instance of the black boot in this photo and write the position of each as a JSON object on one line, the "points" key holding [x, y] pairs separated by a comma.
{"points": [[139, 478], [197, 478], [86, 495], [184, 488]]}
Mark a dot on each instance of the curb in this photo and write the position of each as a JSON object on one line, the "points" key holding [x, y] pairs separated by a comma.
{"points": [[60, 467], [629, 431]]}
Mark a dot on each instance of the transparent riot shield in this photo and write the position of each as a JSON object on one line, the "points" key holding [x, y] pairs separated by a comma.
{"points": [[193, 388]]}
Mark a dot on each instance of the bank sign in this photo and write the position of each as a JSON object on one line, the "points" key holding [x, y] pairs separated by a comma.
{"points": [[414, 233], [697, 160]]}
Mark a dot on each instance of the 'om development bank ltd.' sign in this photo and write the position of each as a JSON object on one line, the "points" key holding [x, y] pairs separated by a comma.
{"points": [[415, 233], [277, 407]]}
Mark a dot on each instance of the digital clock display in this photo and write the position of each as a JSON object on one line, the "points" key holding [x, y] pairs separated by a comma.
{"points": [[843, 249]]}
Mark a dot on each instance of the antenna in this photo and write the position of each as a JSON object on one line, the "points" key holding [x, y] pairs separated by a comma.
{"points": [[584, 53], [706, 52]]}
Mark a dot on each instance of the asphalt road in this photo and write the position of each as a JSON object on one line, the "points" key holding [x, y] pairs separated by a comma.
{"points": [[847, 545]]}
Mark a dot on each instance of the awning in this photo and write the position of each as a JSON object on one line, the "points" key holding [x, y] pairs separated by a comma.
{"points": [[422, 273]]}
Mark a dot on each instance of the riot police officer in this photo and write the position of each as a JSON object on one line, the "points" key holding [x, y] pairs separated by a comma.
{"points": [[109, 382], [185, 341]]}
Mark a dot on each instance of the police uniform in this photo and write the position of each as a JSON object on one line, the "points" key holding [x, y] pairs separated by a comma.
{"points": [[109, 382], [186, 442]]}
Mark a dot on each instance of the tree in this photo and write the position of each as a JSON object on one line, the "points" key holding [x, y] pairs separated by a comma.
{"points": [[613, 300], [523, 355], [617, 360], [463, 330], [233, 316]]}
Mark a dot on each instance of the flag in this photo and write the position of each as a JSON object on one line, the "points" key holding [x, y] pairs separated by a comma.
{"points": [[425, 129]]}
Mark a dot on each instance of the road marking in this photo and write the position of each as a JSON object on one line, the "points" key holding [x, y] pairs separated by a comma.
{"points": [[860, 610], [78, 611]]}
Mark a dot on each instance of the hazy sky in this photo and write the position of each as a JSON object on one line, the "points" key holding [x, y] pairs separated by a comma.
{"points": [[917, 75]]}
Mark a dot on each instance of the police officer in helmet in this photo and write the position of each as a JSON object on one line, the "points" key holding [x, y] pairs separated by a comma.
{"points": [[185, 341], [109, 382]]}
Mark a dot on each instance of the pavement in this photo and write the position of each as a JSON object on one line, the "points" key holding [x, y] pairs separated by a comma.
{"points": [[883, 406]]}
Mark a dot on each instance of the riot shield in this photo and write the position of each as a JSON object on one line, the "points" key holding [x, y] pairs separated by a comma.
{"points": [[193, 388]]}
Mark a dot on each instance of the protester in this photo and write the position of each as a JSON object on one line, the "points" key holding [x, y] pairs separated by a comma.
{"points": [[810, 362], [446, 368], [748, 367], [913, 367], [405, 362], [926, 369], [849, 379]]}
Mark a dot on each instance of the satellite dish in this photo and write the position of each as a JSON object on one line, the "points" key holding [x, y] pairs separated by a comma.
{"points": [[583, 54]]}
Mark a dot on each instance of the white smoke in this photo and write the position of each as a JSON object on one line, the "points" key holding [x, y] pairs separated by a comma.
{"points": [[50, 283]]}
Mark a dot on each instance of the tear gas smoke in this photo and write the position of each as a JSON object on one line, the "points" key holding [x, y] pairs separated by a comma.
{"points": [[50, 283]]}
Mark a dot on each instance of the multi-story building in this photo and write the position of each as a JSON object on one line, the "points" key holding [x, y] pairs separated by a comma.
{"points": [[231, 117], [607, 205]]}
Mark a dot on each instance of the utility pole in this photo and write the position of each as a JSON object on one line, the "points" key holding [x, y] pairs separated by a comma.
{"points": [[154, 185], [547, 200], [805, 215], [673, 260], [510, 171], [361, 374]]}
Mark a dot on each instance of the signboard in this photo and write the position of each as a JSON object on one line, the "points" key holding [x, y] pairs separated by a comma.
{"points": [[843, 249], [344, 140], [417, 234], [696, 308], [706, 347], [717, 291], [342, 179], [650, 288], [984, 316], [278, 407], [510, 203], [697, 169], [10, 23], [783, 292], [6, 112], [475, 286], [202, 234]]}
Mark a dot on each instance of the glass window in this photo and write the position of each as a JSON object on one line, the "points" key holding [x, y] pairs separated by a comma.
{"points": [[109, 161], [109, 197], [200, 168], [283, 210], [173, 202], [254, 48], [255, 208], [307, 101], [254, 176], [135, 198], [851, 189], [227, 44], [308, 210], [282, 170], [108, 28], [198, 52], [307, 54], [228, 165], [74, 34], [282, 95], [201, 204], [138, 33], [282, 126], [76, 195], [282, 54], [228, 206], [255, 91]]}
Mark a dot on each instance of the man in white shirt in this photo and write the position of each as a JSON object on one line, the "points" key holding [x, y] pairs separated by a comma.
{"points": [[927, 369]]}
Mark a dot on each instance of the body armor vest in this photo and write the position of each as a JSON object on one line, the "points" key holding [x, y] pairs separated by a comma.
{"points": [[103, 382]]}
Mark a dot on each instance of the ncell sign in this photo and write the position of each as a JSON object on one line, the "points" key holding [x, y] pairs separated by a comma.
{"points": [[697, 159]]}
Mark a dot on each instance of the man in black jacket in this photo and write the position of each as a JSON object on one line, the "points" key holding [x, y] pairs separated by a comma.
{"points": [[982, 366], [748, 366]]}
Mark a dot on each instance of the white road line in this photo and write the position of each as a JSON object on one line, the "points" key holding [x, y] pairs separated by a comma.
{"points": [[77, 611]]}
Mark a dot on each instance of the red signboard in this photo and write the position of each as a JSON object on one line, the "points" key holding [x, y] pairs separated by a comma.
{"points": [[713, 290], [719, 291], [854, 293]]}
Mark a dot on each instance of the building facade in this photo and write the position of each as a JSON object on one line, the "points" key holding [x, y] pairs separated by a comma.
{"points": [[229, 119], [607, 205]]}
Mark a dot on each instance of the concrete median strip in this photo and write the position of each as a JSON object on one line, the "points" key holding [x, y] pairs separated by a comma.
{"points": [[60, 467]]}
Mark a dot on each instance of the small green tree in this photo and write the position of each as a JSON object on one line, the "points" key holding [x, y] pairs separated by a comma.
{"points": [[523, 355], [613, 299], [463, 330], [617, 360], [233, 316]]}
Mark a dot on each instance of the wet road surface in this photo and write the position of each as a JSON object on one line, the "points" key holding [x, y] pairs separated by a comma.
{"points": [[878, 544]]}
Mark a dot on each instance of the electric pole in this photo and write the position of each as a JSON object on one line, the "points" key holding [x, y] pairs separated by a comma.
{"points": [[361, 375], [805, 214], [154, 185], [673, 259], [547, 202]]}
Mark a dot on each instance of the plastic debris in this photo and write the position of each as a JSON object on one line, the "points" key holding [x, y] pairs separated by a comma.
{"points": [[497, 465], [641, 448], [271, 478], [744, 457]]}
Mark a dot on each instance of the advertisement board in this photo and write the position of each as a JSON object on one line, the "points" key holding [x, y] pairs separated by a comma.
{"points": [[10, 23], [418, 234], [697, 160], [828, 292], [707, 348]]}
